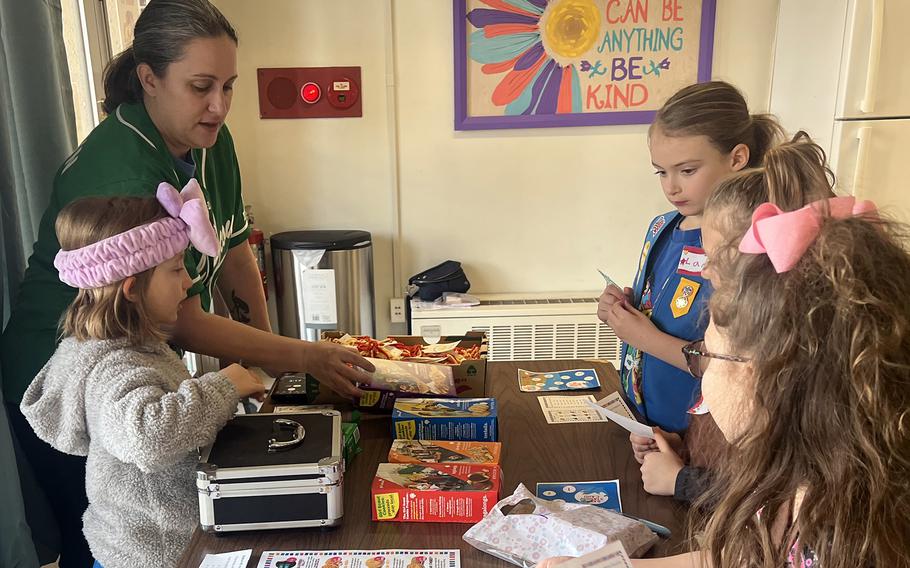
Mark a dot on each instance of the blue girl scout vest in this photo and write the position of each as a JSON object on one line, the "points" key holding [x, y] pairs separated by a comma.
{"points": [[660, 392]]}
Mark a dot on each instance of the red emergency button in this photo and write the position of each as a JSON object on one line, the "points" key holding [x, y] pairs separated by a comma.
{"points": [[310, 93]]}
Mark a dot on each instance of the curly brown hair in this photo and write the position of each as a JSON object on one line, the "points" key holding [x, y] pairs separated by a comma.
{"points": [[829, 343], [105, 313]]}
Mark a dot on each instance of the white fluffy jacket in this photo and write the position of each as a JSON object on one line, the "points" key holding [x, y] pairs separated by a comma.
{"points": [[139, 417]]}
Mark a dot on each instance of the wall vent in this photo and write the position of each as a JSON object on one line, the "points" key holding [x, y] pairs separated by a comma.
{"points": [[524, 327]]}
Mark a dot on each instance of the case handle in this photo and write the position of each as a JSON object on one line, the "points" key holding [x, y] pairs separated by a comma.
{"points": [[285, 424]]}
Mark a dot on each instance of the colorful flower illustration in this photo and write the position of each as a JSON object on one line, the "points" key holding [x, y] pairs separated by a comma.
{"points": [[537, 44]]}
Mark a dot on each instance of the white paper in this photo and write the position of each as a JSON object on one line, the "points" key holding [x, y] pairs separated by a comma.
{"points": [[632, 426], [308, 259], [565, 401], [318, 292], [441, 347], [615, 403], [237, 559], [569, 409], [361, 558], [611, 556]]}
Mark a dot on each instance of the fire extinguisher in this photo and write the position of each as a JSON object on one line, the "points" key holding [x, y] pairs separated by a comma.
{"points": [[257, 244]]}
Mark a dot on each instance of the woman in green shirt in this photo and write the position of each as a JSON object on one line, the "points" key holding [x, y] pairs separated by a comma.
{"points": [[167, 98]]}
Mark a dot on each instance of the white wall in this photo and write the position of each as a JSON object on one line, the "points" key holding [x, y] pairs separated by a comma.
{"points": [[524, 210]]}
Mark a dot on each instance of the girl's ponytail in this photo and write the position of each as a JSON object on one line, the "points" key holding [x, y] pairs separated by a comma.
{"points": [[796, 173], [766, 133], [121, 84], [791, 175]]}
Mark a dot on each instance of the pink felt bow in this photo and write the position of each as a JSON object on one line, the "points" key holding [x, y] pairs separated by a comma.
{"points": [[786, 235], [146, 246], [189, 206]]}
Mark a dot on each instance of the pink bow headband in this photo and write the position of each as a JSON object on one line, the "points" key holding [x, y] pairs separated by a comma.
{"points": [[786, 236], [141, 248]]}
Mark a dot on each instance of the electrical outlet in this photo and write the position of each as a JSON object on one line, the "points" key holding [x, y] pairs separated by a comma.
{"points": [[396, 308]]}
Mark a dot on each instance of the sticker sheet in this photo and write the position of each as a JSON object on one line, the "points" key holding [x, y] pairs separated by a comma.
{"points": [[572, 379], [603, 494]]}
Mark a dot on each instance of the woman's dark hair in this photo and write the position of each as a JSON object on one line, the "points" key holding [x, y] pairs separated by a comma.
{"points": [[718, 110], [163, 30]]}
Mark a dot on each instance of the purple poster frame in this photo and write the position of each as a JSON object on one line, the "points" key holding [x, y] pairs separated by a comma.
{"points": [[465, 122]]}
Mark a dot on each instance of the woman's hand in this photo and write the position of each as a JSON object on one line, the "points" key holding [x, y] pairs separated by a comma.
{"points": [[246, 383], [336, 366], [660, 468]]}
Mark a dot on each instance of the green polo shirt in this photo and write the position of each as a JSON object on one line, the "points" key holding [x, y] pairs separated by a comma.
{"points": [[124, 155]]}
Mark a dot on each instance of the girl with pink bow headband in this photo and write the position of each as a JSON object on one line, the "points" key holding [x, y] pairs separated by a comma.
{"points": [[114, 390], [143, 247]]}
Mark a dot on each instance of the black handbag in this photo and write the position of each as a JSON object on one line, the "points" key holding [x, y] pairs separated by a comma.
{"points": [[431, 283]]}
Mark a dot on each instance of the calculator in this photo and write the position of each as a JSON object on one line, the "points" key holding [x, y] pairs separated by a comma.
{"points": [[290, 389]]}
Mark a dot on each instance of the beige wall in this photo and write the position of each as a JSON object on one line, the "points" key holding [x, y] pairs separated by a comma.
{"points": [[524, 210]]}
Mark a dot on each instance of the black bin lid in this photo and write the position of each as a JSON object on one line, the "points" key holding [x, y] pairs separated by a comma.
{"points": [[321, 240]]}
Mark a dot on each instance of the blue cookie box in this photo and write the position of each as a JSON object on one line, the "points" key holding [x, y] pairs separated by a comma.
{"points": [[445, 419]]}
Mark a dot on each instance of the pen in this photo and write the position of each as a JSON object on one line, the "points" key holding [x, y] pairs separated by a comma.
{"points": [[608, 280]]}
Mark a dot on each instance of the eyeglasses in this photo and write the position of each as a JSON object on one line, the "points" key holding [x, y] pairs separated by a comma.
{"points": [[696, 357]]}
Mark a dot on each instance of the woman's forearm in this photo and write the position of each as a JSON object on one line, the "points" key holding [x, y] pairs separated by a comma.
{"points": [[241, 287], [209, 334]]}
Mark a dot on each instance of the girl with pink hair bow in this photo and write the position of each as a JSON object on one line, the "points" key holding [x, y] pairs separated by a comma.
{"points": [[809, 382]]}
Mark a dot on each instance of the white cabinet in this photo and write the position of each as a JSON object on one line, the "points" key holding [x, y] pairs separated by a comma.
{"points": [[875, 72], [872, 162], [842, 73]]}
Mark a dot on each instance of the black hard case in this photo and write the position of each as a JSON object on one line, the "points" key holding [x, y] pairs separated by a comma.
{"points": [[243, 486]]}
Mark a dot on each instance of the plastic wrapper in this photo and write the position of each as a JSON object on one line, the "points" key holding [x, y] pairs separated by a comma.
{"points": [[523, 530], [414, 378]]}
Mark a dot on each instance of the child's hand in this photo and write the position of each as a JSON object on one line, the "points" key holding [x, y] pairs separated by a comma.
{"points": [[610, 296], [246, 383], [659, 469], [642, 445], [630, 325]]}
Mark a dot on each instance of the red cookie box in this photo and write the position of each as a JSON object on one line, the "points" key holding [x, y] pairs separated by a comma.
{"points": [[434, 493]]}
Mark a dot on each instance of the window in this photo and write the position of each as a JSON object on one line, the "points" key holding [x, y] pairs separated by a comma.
{"points": [[94, 31]]}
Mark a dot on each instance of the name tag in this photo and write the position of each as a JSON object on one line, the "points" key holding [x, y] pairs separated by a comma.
{"points": [[701, 407], [692, 261]]}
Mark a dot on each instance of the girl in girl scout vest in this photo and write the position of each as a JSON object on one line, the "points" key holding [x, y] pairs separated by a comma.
{"points": [[701, 135]]}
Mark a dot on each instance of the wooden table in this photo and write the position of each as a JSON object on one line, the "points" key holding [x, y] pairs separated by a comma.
{"points": [[533, 451]]}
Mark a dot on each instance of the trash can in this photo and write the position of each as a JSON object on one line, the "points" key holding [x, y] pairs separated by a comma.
{"points": [[324, 281]]}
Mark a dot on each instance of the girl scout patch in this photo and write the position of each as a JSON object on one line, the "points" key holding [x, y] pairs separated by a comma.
{"points": [[644, 256], [684, 297]]}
